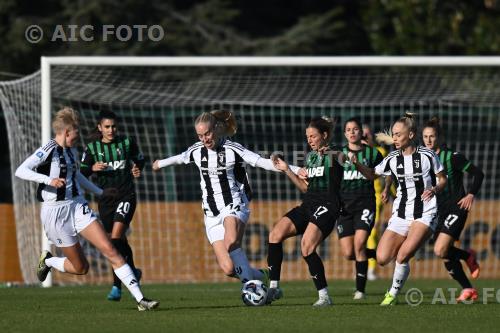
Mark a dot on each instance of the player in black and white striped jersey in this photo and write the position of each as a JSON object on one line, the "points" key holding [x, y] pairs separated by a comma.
{"points": [[225, 188], [419, 175], [65, 213]]}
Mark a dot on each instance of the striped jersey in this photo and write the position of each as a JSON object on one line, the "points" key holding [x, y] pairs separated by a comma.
{"points": [[413, 174], [223, 178], [53, 161], [324, 175], [455, 164], [119, 155], [354, 184]]}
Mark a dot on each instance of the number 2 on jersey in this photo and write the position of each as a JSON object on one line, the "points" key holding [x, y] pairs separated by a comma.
{"points": [[123, 208]]}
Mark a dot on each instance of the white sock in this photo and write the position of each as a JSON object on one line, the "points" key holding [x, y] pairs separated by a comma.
{"points": [[126, 275], [323, 293], [257, 274], [274, 284], [241, 265], [56, 262], [401, 272]]}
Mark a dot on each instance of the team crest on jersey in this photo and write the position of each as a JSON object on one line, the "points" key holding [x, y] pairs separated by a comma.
{"points": [[221, 157], [417, 164], [118, 151], [316, 172]]}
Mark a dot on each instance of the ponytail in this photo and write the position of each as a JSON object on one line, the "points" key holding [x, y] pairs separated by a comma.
{"points": [[222, 122]]}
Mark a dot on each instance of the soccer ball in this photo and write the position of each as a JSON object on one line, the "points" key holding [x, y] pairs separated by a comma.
{"points": [[254, 293]]}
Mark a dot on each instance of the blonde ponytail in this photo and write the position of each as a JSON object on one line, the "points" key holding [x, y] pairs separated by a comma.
{"points": [[222, 122]]}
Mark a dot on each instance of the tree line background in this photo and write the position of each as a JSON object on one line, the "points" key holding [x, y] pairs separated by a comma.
{"points": [[258, 27]]}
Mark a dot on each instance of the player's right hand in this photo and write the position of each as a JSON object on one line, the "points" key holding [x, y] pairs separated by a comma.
{"points": [[156, 165], [280, 164], [99, 166], [302, 173], [58, 182]]}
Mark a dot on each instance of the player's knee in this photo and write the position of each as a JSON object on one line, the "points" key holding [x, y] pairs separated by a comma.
{"points": [[307, 248], [348, 254], [441, 251], [276, 236], [359, 254], [382, 259]]}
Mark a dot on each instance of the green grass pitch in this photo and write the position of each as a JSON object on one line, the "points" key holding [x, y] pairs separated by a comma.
{"points": [[218, 308]]}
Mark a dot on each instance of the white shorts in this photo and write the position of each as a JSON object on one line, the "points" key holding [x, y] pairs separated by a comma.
{"points": [[214, 225], [402, 226], [62, 223]]}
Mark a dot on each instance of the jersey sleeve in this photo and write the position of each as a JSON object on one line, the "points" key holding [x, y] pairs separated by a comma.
{"points": [[437, 167], [136, 155], [459, 162], [247, 155], [383, 168], [25, 170], [87, 162]]}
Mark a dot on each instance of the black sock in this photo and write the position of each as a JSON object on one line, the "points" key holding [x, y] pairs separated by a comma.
{"points": [[456, 271], [317, 270], [361, 271], [274, 260], [371, 253], [117, 244], [129, 256], [458, 254]]}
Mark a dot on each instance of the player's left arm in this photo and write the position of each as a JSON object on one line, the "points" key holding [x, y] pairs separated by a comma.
{"points": [[460, 162], [137, 157], [87, 184]]}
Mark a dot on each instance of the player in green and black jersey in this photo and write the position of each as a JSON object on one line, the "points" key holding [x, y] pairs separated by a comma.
{"points": [[358, 197], [115, 161], [315, 218], [453, 207]]}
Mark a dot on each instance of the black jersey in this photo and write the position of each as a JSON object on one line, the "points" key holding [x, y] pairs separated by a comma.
{"points": [[119, 156], [455, 164], [324, 177], [354, 184]]}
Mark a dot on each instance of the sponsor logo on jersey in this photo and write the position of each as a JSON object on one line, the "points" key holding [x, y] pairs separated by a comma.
{"points": [[400, 166], [316, 172], [39, 154], [353, 175], [116, 165], [204, 159]]}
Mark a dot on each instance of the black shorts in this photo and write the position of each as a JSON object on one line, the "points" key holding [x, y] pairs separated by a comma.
{"points": [[356, 215], [120, 210], [322, 215], [451, 220]]}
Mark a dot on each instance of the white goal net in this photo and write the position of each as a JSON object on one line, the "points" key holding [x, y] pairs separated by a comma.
{"points": [[158, 104]]}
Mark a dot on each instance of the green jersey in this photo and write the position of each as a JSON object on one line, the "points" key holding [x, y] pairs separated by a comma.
{"points": [[455, 164], [354, 184], [324, 177], [119, 156]]}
